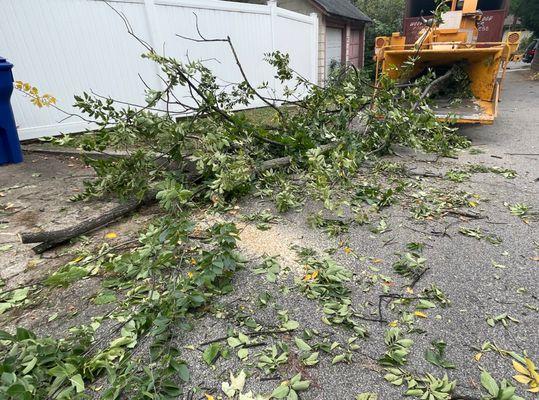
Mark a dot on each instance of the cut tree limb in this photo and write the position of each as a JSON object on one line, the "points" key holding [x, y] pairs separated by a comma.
{"points": [[286, 161], [52, 239], [433, 87]]}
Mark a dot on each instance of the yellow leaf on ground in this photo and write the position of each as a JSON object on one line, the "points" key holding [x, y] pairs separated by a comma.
{"points": [[522, 379], [347, 250], [420, 314], [530, 364], [393, 324], [520, 368], [478, 356], [409, 290], [315, 274], [209, 396], [111, 235], [377, 260]]}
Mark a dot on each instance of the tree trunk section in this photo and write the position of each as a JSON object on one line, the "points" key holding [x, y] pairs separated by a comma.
{"points": [[52, 239]]}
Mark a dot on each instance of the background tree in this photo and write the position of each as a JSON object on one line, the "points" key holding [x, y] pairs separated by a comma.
{"points": [[528, 12], [387, 18]]}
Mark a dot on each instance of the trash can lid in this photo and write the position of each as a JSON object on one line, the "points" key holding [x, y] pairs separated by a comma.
{"points": [[5, 65]]}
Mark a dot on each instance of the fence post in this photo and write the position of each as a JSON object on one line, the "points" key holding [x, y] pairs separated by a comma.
{"points": [[272, 4], [314, 48]]}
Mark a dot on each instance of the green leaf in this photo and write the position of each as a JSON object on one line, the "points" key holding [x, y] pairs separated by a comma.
{"points": [[302, 345], [181, 368], [311, 360], [5, 335], [291, 325], [243, 354], [4, 307], [425, 304], [5, 247], [30, 366], [367, 396], [16, 390], [78, 383], [337, 359], [301, 385], [210, 353], [19, 295], [489, 383], [233, 342], [105, 298], [280, 392]]}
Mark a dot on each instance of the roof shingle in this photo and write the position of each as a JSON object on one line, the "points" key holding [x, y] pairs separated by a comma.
{"points": [[343, 8]]}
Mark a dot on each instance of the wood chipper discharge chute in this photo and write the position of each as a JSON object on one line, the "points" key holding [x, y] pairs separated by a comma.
{"points": [[444, 47]]}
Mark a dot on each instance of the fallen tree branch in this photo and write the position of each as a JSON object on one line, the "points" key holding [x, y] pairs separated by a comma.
{"points": [[426, 174], [50, 239], [286, 161], [251, 335], [433, 87]]}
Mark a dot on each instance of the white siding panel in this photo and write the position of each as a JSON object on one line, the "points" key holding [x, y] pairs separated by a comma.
{"points": [[66, 47]]}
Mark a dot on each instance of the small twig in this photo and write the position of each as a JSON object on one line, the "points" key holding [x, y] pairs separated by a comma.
{"points": [[418, 277], [465, 214], [270, 378], [391, 296], [416, 230]]}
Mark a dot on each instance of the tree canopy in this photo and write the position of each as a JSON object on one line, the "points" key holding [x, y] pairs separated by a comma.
{"points": [[528, 12]]}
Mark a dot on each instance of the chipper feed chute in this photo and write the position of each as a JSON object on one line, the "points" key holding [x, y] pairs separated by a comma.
{"points": [[440, 48]]}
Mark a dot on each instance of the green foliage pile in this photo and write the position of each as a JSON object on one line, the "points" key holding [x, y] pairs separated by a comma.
{"points": [[170, 278], [222, 152], [184, 151]]}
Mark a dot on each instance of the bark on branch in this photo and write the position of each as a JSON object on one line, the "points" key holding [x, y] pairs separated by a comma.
{"points": [[433, 87], [51, 239]]}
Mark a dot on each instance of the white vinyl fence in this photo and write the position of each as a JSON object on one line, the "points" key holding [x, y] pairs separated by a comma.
{"points": [[65, 47]]}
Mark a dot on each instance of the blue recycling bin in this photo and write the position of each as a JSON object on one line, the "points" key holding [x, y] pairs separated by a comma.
{"points": [[10, 147]]}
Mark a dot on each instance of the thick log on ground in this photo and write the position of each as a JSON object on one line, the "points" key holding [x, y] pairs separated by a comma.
{"points": [[50, 239]]}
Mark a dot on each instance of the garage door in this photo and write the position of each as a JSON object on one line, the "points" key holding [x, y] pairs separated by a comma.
{"points": [[333, 47]]}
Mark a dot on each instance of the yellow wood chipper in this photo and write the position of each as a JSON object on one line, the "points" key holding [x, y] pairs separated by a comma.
{"points": [[439, 47]]}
